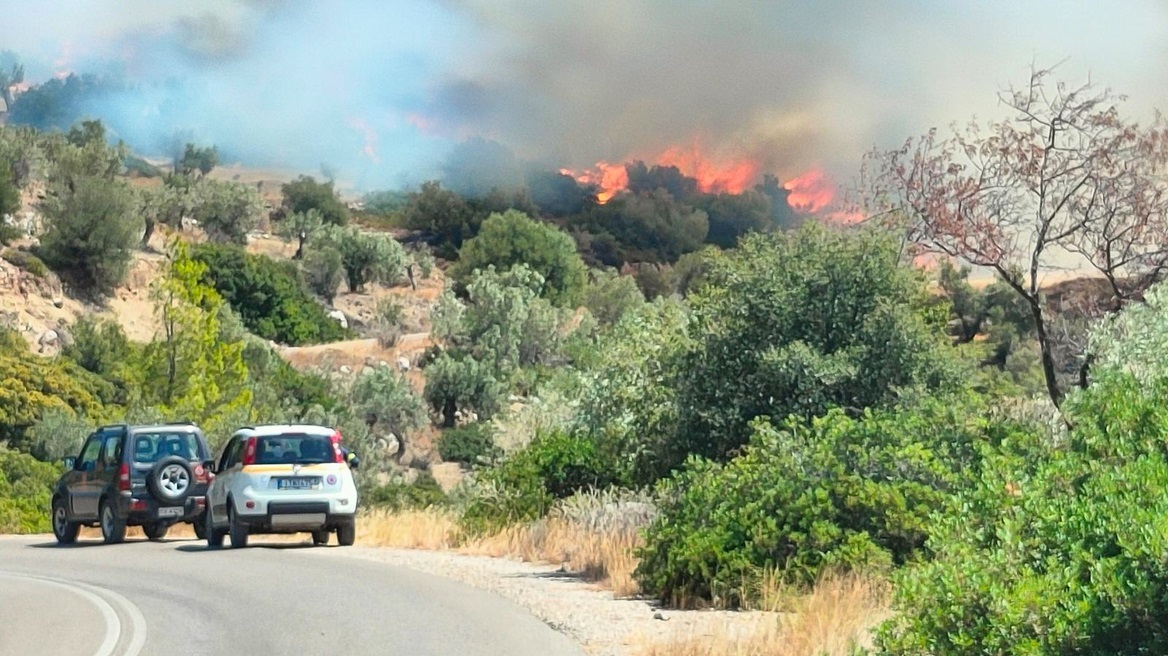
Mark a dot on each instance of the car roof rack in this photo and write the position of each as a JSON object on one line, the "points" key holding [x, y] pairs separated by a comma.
{"points": [[113, 426]]}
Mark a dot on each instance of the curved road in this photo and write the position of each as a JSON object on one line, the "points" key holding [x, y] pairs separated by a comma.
{"points": [[176, 597]]}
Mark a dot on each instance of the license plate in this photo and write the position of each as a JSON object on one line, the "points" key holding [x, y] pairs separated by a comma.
{"points": [[170, 511], [298, 483]]}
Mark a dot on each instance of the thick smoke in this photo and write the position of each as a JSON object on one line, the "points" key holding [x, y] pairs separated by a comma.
{"points": [[382, 92]]}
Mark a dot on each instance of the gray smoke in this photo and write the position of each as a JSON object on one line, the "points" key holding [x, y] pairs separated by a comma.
{"points": [[383, 91]]}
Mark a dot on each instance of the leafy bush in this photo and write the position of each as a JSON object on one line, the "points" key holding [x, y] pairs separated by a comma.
{"points": [[226, 211], [33, 385], [554, 466], [610, 295], [1053, 552], [383, 399], [840, 493], [457, 383], [59, 433], [795, 324], [27, 261], [387, 321], [25, 492], [270, 296], [324, 272], [91, 234], [305, 193], [505, 240], [365, 257], [424, 492], [470, 444]]}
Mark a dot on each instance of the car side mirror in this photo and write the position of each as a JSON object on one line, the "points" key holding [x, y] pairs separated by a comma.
{"points": [[209, 465], [69, 461]]}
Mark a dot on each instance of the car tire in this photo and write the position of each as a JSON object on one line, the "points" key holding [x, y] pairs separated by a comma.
{"points": [[347, 534], [113, 528], [236, 528], [155, 530], [171, 480], [200, 527], [320, 537], [64, 530], [214, 535]]}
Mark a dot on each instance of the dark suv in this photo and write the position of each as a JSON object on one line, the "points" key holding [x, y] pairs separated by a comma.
{"points": [[149, 476]]}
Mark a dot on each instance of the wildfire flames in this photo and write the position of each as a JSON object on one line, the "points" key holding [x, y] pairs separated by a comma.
{"points": [[732, 176], [608, 178], [811, 192]]}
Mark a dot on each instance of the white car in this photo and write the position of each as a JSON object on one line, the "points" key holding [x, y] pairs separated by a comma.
{"points": [[282, 479]]}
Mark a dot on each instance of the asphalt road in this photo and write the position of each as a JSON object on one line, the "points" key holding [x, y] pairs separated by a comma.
{"points": [[176, 597]]}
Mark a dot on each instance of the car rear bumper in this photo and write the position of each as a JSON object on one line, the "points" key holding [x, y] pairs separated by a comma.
{"points": [[295, 516], [145, 510]]}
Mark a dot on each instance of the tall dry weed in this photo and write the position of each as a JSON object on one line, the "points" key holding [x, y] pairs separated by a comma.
{"points": [[833, 619], [592, 534]]}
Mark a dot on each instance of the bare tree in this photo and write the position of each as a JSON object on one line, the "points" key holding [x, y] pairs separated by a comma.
{"points": [[1066, 176]]}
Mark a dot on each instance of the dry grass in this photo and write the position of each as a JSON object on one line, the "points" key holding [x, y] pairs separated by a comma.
{"points": [[605, 557], [408, 529], [836, 616], [601, 555]]}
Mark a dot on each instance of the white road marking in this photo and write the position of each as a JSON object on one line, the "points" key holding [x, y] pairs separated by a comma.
{"points": [[101, 599]]}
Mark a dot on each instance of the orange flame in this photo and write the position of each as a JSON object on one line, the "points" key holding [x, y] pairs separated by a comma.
{"points": [[810, 192], [724, 177], [732, 176], [609, 179]]}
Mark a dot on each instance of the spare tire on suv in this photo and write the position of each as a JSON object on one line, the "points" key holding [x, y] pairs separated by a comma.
{"points": [[171, 480]]}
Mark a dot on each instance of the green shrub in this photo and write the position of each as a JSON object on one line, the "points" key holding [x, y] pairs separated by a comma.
{"points": [[1061, 553], [798, 323], [91, 234], [424, 492], [324, 272], [365, 257], [554, 466], [270, 296], [26, 261], [470, 444], [838, 494], [33, 385], [305, 193], [25, 492], [513, 238]]}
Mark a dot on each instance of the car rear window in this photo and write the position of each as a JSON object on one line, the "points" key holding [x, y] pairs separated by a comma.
{"points": [[152, 447], [293, 448]]}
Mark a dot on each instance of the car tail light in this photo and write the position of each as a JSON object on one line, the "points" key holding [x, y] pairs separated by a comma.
{"points": [[200, 474], [137, 505], [124, 478], [249, 452], [338, 455]]}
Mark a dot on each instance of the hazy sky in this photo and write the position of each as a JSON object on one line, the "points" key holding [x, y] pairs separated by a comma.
{"points": [[381, 90]]}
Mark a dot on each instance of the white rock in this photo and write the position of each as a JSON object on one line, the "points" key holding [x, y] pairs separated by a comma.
{"points": [[403, 363], [340, 318]]}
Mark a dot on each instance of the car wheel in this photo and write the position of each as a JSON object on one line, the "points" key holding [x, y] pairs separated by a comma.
{"points": [[113, 529], [155, 530], [214, 535], [236, 528], [64, 530], [171, 480], [347, 534], [320, 537]]}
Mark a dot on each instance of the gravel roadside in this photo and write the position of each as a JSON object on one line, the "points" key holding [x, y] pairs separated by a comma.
{"points": [[605, 626]]}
